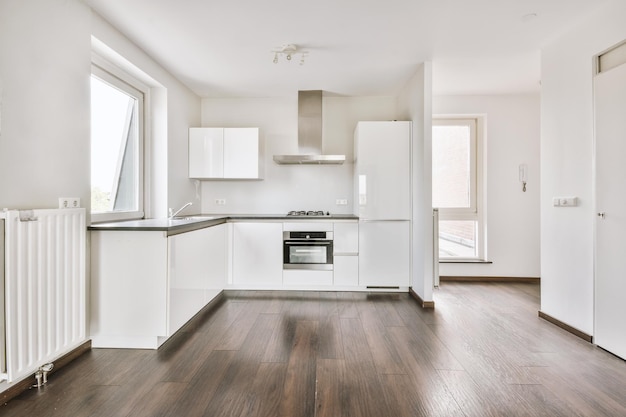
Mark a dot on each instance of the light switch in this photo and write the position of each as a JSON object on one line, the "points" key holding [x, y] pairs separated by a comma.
{"points": [[565, 201]]}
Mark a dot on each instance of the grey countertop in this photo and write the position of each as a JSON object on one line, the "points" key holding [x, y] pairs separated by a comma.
{"points": [[199, 221]]}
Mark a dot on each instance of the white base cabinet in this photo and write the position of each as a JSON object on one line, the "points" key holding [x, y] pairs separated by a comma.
{"points": [[346, 254], [346, 271], [145, 285], [257, 254], [197, 272], [128, 289]]}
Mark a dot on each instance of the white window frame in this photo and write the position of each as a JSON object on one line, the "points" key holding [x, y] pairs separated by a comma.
{"points": [[120, 79], [475, 210]]}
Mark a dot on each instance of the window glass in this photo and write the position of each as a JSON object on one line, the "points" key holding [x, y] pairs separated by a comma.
{"points": [[451, 166], [456, 188], [457, 238], [116, 148]]}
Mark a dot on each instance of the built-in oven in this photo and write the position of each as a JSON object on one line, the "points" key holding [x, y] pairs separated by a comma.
{"points": [[308, 250]]}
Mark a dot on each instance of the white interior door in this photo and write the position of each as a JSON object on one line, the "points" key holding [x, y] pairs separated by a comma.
{"points": [[610, 269]]}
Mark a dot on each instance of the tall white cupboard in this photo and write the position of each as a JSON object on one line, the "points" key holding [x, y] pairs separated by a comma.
{"points": [[383, 202]]}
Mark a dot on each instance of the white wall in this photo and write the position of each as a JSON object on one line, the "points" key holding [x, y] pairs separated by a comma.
{"points": [[291, 187], [44, 103], [45, 58], [45, 65], [415, 104], [567, 165], [511, 138]]}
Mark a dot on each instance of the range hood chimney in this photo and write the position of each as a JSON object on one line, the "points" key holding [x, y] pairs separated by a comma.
{"points": [[309, 133]]}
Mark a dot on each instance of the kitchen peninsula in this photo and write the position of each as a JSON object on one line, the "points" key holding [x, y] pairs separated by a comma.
{"points": [[149, 277]]}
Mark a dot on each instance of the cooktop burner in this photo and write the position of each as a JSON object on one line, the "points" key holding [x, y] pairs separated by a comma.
{"points": [[308, 213]]}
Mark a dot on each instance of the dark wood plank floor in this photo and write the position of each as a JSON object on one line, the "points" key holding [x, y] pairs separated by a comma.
{"points": [[482, 352]]}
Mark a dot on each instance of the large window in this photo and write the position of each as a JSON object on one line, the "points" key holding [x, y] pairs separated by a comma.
{"points": [[117, 147], [457, 188]]}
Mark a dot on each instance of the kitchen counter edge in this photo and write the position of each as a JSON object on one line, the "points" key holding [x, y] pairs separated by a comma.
{"points": [[176, 226]]}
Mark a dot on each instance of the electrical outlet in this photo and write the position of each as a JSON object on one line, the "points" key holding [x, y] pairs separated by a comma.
{"points": [[220, 201], [69, 202], [341, 202]]}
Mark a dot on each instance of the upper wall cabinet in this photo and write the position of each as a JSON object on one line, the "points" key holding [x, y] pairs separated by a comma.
{"points": [[224, 153]]}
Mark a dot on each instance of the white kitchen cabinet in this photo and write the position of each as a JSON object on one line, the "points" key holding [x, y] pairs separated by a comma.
{"points": [[146, 285], [346, 270], [224, 153], [346, 238], [241, 153], [384, 253], [346, 254], [206, 152], [382, 170], [197, 272], [257, 254], [383, 202], [128, 288]]}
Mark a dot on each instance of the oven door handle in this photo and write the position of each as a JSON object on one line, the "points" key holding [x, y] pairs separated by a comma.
{"points": [[307, 243]]}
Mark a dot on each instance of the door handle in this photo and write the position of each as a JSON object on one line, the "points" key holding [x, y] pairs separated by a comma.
{"points": [[602, 215]]}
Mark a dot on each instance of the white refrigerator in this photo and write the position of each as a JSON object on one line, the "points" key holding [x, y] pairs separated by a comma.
{"points": [[383, 202]]}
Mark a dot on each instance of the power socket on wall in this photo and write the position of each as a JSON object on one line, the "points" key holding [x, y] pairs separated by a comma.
{"points": [[565, 201], [69, 202], [220, 201]]}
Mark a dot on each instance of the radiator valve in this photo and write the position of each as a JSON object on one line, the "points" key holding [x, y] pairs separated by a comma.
{"points": [[41, 376]]}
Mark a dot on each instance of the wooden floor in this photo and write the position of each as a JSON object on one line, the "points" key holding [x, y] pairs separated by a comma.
{"points": [[482, 352]]}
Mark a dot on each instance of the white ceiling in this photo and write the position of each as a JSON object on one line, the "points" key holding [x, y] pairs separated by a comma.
{"points": [[221, 48]]}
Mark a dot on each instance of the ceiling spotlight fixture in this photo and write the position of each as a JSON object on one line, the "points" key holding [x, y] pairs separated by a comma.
{"points": [[288, 51]]}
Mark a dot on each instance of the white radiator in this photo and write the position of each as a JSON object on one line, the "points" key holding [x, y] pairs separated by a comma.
{"points": [[45, 287]]}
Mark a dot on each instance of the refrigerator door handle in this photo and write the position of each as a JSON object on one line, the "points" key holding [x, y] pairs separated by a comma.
{"points": [[362, 189]]}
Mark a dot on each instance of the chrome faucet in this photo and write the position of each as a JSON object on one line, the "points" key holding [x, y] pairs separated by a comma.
{"points": [[172, 215]]}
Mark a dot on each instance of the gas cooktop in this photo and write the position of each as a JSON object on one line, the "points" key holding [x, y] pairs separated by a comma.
{"points": [[303, 213]]}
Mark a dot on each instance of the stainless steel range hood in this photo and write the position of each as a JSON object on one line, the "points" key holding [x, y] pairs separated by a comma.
{"points": [[309, 133]]}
